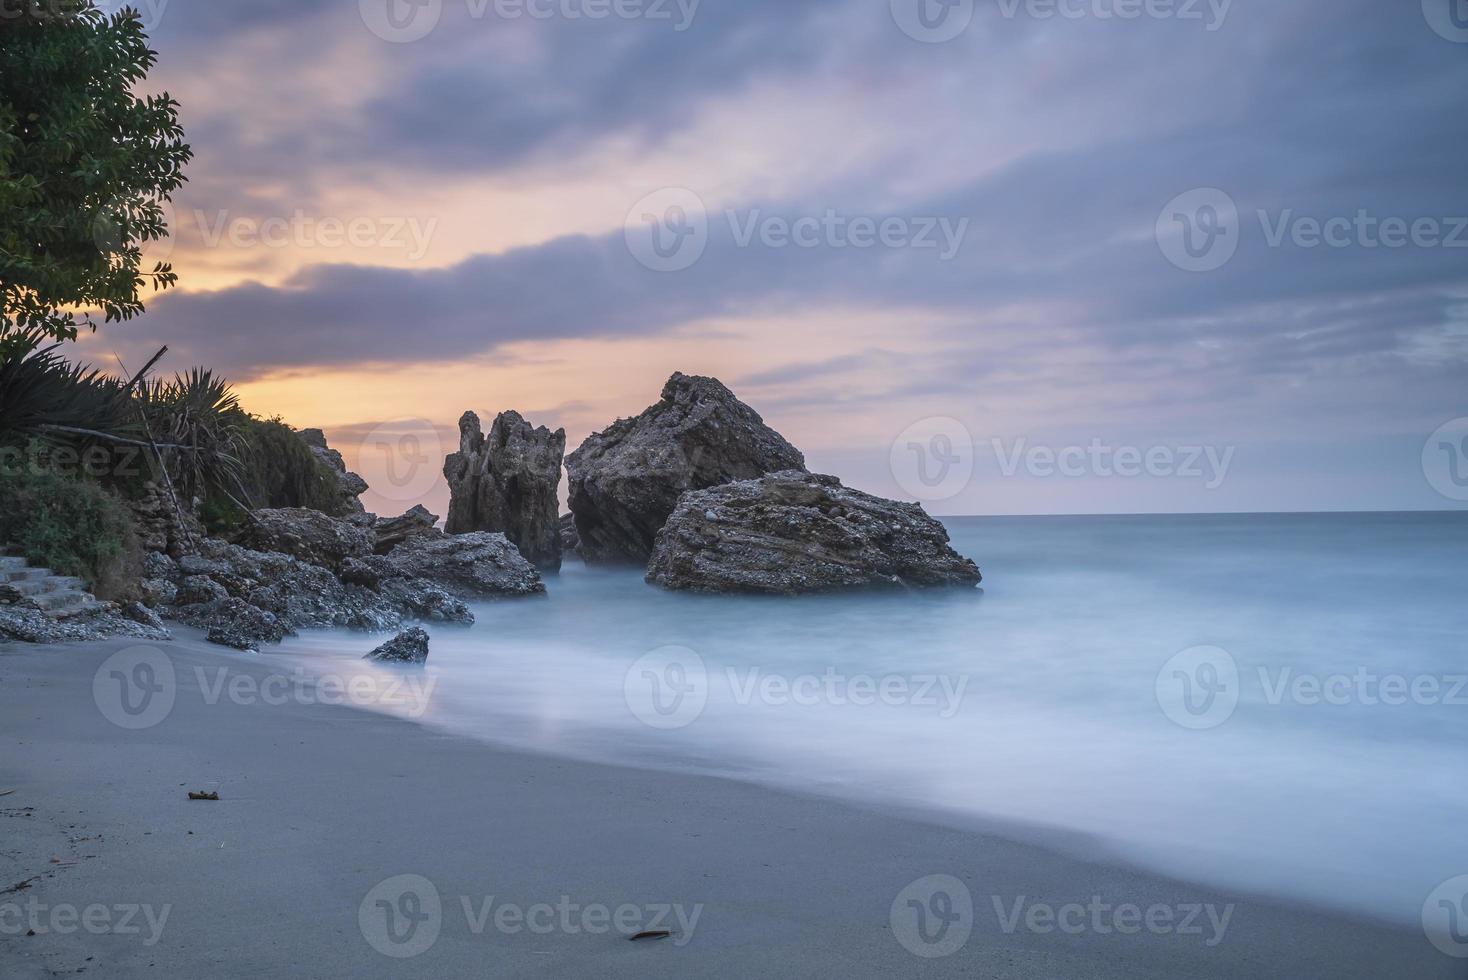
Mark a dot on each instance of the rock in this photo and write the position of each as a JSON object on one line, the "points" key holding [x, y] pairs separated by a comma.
{"points": [[626, 480], [350, 485], [792, 533], [195, 589], [393, 531], [467, 566], [162, 527], [355, 571], [157, 592], [238, 624], [139, 613], [156, 565], [301, 595], [409, 647], [9, 594], [509, 482], [570, 540], [419, 599], [26, 625], [309, 535]]}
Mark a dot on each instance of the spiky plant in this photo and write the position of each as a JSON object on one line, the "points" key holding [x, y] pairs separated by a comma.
{"points": [[44, 398], [198, 425]]}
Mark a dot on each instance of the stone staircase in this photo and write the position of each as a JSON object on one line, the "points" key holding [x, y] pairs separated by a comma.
{"points": [[58, 596]]}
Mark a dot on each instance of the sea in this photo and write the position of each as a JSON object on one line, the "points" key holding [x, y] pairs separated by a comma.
{"points": [[1271, 703]]}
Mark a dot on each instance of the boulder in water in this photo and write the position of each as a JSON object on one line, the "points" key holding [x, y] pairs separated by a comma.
{"points": [[626, 480], [793, 533]]}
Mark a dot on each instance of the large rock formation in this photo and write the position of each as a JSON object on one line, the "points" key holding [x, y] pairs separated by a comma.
{"points": [[309, 535], [626, 480], [393, 531], [468, 566], [350, 485], [792, 533], [509, 482]]}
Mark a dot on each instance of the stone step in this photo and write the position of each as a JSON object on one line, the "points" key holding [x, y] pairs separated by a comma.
{"points": [[79, 607], [55, 602], [28, 586], [12, 564], [64, 583], [26, 575]]}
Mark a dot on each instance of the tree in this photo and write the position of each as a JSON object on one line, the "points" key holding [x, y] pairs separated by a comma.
{"points": [[85, 167]]}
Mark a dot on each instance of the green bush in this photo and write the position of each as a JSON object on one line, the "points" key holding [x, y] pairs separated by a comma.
{"points": [[72, 526], [281, 471]]}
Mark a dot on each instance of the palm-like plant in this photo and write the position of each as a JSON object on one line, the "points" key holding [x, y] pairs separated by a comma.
{"points": [[199, 429], [44, 398]]}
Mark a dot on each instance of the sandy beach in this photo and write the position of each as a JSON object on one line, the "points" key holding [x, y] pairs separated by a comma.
{"points": [[522, 865]]}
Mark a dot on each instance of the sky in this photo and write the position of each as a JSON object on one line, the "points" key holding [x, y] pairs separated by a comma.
{"points": [[999, 256]]}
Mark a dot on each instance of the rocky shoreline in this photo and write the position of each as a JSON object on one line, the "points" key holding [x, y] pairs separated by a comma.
{"points": [[697, 488]]}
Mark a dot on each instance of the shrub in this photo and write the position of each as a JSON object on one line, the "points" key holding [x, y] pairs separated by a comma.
{"points": [[72, 526]]}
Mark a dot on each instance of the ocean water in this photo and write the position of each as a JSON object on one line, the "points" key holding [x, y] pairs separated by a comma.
{"points": [[1274, 703]]}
